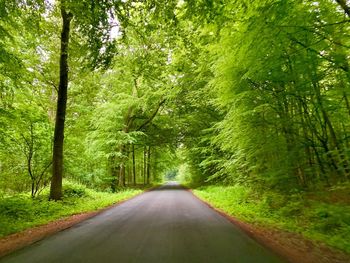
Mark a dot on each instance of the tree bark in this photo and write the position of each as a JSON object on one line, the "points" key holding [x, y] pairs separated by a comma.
{"points": [[129, 168], [144, 165], [133, 165], [57, 158], [122, 166]]}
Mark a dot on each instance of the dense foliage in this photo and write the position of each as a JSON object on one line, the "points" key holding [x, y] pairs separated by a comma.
{"points": [[277, 77]]}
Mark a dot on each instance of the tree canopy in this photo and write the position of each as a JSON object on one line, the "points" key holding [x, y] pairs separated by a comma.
{"points": [[234, 91]]}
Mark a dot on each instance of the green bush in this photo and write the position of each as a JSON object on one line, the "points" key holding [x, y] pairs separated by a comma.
{"points": [[74, 190]]}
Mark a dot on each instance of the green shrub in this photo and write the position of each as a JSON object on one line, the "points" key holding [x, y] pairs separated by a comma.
{"points": [[74, 190]]}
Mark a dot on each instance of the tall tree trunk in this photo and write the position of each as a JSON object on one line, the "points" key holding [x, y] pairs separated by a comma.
{"points": [[114, 172], [122, 175], [133, 165], [144, 165], [129, 170], [57, 158], [148, 164], [127, 166], [122, 166], [140, 169]]}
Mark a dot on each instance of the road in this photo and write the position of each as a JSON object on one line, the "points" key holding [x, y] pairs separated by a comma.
{"points": [[165, 225]]}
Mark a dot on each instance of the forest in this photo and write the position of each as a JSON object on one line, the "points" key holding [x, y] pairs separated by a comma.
{"points": [[245, 101]]}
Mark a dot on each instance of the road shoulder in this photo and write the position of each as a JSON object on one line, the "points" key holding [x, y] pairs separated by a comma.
{"points": [[291, 246], [16, 241]]}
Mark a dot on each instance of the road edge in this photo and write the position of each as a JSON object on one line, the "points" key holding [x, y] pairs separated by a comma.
{"points": [[19, 240], [289, 251]]}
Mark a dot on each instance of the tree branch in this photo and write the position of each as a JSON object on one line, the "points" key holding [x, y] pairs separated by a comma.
{"points": [[343, 67], [149, 120]]}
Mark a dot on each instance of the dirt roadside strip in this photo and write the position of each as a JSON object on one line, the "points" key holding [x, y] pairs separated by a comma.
{"points": [[29, 236], [292, 246]]}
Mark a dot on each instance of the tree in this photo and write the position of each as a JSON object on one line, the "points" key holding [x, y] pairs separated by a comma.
{"points": [[57, 157], [95, 23]]}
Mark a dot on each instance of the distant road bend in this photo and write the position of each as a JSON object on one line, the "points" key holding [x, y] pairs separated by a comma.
{"points": [[165, 225]]}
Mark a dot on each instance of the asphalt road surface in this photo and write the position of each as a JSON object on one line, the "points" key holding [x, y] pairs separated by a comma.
{"points": [[165, 225]]}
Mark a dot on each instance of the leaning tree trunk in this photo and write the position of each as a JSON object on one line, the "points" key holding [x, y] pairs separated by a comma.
{"points": [[57, 158]]}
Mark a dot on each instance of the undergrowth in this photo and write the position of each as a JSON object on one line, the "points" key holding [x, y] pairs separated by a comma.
{"points": [[20, 212], [312, 215]]}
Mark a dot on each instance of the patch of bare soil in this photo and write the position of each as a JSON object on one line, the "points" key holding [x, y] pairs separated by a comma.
{"points": [[292, 247]]}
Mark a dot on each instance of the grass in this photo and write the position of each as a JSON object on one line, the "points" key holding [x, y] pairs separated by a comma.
{"points": [[320, 216], [20, 212]]}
